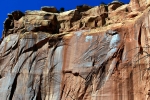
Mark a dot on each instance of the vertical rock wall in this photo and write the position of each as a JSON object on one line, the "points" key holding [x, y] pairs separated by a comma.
{"points": [[95, 56]]}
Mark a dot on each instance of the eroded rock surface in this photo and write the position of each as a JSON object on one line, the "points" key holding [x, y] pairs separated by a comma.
{"points": [[84, 54]]}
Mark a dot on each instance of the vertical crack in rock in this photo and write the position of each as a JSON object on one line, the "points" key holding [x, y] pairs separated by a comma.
{"points": [[14, 85], [39, 94], [139, 40]]}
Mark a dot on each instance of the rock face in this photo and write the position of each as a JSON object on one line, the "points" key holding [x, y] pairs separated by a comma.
{"points": [[82, 54], [139, 4]]}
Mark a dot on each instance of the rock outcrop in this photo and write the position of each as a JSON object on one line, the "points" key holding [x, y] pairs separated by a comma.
{"points": [[99, 53], [49, 9]]}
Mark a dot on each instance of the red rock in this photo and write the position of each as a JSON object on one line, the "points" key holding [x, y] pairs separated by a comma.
{"points": [[98, 55]]}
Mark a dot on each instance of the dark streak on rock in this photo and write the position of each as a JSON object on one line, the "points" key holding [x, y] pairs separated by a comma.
{"points": [[14, 85]]}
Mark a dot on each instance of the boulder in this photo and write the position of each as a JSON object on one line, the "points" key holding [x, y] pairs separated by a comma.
{"points": [[49, 9], [82, 8], [66, 19], [114, 5], [17, 14]]}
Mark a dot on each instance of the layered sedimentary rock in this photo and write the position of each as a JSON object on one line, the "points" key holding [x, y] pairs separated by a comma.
{"points": [[99, 53]]}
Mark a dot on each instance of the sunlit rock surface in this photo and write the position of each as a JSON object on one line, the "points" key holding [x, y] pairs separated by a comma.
{"points": [[82, 54]]}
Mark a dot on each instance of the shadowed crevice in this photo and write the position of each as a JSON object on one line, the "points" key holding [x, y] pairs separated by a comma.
{"points": [[39, 97], [14, 85]]}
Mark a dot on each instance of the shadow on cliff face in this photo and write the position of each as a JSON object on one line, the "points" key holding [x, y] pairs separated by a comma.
{"points": [[14, 85]]}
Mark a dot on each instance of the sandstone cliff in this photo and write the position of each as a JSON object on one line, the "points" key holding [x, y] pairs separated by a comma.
{"points": [[89, 53]]}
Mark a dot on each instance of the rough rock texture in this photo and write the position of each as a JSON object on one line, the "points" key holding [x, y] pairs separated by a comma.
{"points": [[114, 5], [139, 4], [97, 55]]}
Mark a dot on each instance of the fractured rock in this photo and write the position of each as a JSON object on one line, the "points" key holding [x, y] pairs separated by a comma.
{"points": [[95, 11], [46, 22], [8, 24], [66, 19]]}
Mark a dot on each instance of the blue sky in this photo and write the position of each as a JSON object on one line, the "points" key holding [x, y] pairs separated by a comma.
{"points": [[7, 6]]}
